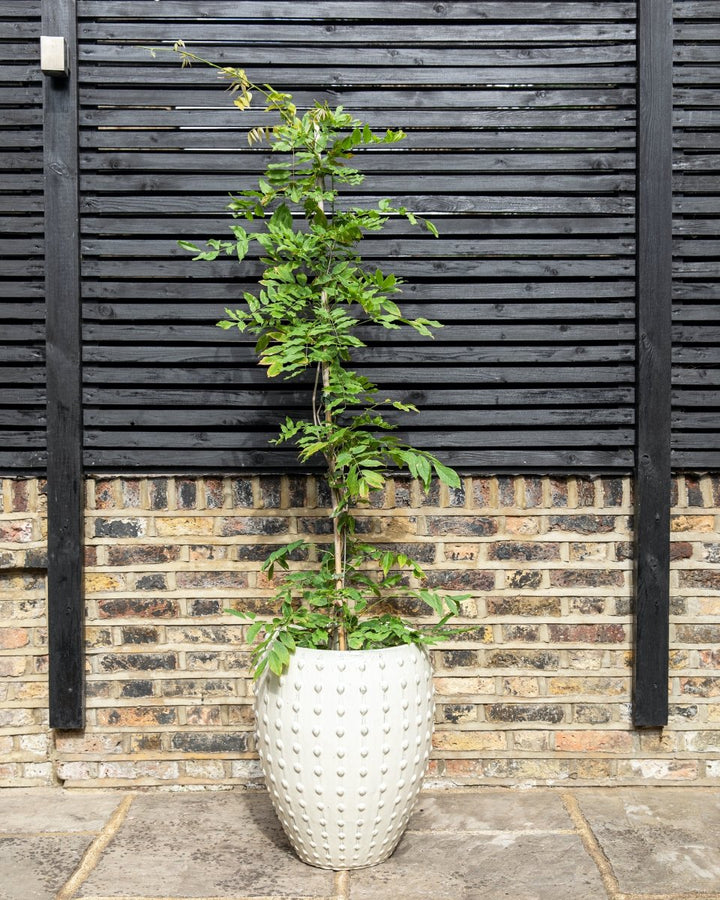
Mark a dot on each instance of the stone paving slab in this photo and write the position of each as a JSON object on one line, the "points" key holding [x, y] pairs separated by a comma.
{"points": [[43, 836], [25, 810], [459, 866], [37, 867], [482, 844], [657, 840], [203, 845]]}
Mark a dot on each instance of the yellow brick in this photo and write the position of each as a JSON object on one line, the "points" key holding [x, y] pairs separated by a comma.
{"points": [[97, 581], [180, 525], [461, 552], [707, 606], [469, 740], [531, 740], [613, 687], [521, 687], [693, 523], [31, 690], [468, 685], [522, 524]]}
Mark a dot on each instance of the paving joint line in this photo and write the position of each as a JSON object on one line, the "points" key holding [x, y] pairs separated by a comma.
{"points": [[92, 855], [342, 885], [37, 834], [691, 895], [592, 846], [223, 897], [491, 832]]}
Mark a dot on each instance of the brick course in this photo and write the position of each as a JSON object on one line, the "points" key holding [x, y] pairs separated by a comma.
{"points": [[538, 691]]}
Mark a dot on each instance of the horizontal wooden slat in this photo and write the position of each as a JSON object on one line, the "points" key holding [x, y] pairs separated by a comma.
{"points": [[468, 33], [539, 10], [609, 372], [22, 374], [216, 460], [245, 161], [239, 52], [101, 401]]}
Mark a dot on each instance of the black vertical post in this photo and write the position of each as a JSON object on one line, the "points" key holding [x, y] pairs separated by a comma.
{"points": [[64, 411], [654, 373]]}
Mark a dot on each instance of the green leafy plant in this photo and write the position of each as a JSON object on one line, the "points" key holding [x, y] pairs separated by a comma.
{"points": [[315, 300]]}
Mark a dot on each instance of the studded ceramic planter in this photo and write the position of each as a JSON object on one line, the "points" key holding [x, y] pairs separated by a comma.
{"points": [[344, 740]]}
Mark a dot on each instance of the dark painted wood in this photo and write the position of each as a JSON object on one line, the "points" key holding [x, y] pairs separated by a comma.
{"points": [[64, 411], [696, 347], [653, 463], [499, 460], [21, 261], [406, 9]]}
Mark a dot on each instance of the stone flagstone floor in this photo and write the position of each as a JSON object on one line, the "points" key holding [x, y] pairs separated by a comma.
{"points": [[483, 844]]}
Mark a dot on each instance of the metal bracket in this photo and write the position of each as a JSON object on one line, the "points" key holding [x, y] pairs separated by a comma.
{"points": [[54, 56]]}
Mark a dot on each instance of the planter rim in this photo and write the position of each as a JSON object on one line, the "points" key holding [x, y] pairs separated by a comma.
{"points": [[356, 654]]}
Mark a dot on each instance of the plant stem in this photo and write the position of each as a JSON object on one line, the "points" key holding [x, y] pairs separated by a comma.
{"points": [[339, 536]]}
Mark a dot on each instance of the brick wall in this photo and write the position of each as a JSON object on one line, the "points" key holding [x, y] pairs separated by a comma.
{"points": [[25, 743], [538, 692]]}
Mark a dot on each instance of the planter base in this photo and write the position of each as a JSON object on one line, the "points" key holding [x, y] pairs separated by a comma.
{"points": [[344, 739]]}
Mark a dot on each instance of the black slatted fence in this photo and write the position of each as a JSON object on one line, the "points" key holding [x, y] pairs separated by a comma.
{"points": [[22, 309], [521, 136], [521, 121], [696, 227]]}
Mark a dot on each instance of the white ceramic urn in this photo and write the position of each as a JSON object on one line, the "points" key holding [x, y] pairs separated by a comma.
{"points": [[344, 739]]}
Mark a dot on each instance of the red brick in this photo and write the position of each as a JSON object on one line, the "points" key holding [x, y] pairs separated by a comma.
{"points": [[203, 715], [523, 579], [569, 578], [105, 494], [242, 492], [558, 492], [137, 715], [704, 579], [523, 606], [461, 525], [150, 607], [186, 493], [254, 525], [694, 491], [583, 524], [142, 554], [157, 490], [461, 580], [680, 550], [211, 580], [709, 659], [214, 493], [698, 634], [20, 496], [523, 550], [525, 712], [585, 491], [522, 633], [141, 662], [587, 634], [481, 488], [708, 686], [533, 492], [130, 492], [592, 741], [506, 491], [611, 490], [13, 638], [524, 659], [19, 531]]}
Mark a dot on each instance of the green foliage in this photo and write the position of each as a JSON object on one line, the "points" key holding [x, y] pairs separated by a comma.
{"points": [[314, 301]]}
